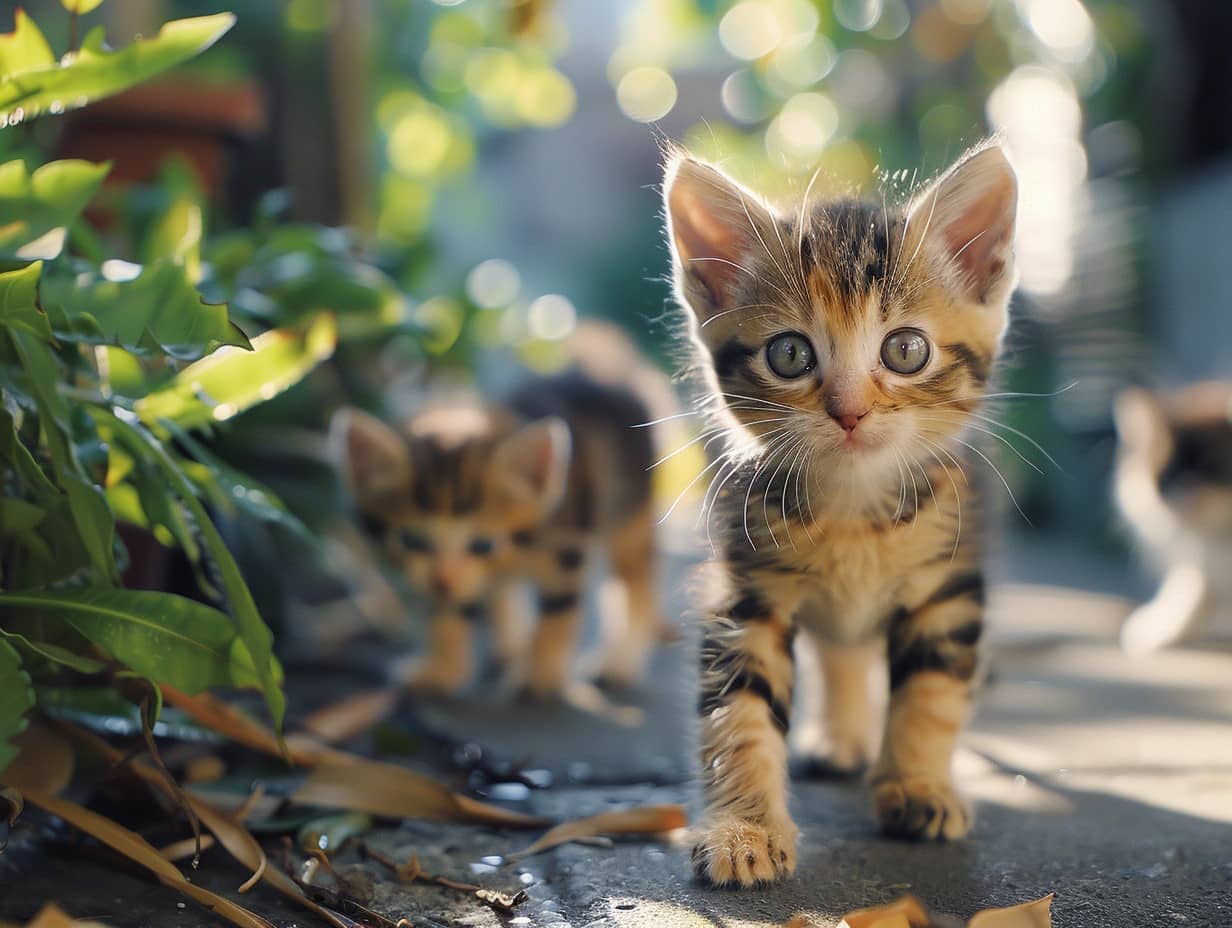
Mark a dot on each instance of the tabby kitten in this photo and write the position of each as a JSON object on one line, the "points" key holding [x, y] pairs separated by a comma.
{"points": [[845, 346], [475, 502], [1174, 489]]}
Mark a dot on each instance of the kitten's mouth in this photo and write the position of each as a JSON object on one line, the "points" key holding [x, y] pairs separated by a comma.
{"points": [[855, 442]]}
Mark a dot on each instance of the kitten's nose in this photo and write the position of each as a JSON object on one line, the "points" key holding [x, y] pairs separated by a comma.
{"points": [[849, 421]]}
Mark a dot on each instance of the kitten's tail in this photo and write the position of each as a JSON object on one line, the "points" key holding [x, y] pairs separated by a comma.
{"points": [[606, 354]]}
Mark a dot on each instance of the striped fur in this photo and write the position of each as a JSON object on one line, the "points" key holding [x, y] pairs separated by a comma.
{"points": [[842, 503], [476, 503]]}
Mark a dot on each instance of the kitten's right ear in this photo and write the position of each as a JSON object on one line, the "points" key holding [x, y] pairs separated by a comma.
{"points": [[713, 224], [373, 458]]}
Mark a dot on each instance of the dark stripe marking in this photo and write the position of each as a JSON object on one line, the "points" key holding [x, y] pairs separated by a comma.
{"points": [[923, 654], [749, 606], [975, 362], [749, 682], [967, 635], [731, 358], [552, 603], [969, 585]]}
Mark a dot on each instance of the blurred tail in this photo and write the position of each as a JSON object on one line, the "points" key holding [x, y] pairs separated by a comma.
{"points": [[607, 355]]}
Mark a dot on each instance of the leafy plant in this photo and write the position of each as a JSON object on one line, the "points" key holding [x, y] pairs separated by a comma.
{"points": [[95, 407]]}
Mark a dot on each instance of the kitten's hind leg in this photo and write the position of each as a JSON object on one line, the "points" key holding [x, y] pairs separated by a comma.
{"points": [[746, 835], [843, 750], [932, 651], [630, 638], [1177, 609]]}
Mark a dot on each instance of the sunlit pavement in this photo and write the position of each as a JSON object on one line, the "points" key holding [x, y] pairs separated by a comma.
{"points": [[1104, 779]]}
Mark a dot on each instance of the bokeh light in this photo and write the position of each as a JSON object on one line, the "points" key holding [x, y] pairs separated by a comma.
{"points": [[551, 317], [646, 94], [493, 283], [857, 15]]}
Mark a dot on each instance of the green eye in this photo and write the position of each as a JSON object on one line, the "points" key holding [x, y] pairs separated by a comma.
{"points": [[905, 351], [790, 355]]}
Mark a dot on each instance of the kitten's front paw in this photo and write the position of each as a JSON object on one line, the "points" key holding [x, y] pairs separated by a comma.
{"points": [[732, 850], [920, 810]]}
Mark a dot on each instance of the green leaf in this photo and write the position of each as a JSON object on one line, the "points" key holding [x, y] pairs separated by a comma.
{"points": [[24, 49], [36, 209], [165, 637], [228, 488], [157, 312], [228, 382], [19, 300], [81, 6], [96, 71], [16, 699], [20, 461], [176, 235], [252, 629], [93, 517], [18, 516], [57, 653]]}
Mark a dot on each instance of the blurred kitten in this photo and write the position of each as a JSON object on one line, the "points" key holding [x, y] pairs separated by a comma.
{"points": [[477, 502], [1174, 489]]}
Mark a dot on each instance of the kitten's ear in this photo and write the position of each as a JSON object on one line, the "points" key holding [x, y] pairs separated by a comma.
{"points": [[530, 468], [373, 458], [713, 224], [966, 217]]}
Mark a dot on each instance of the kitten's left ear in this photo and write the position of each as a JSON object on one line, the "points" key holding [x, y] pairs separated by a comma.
{"points": [[966, 218], [530, 467], [713, 225]]}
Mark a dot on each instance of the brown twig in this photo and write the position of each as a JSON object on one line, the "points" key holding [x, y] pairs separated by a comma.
{"points": [[147, 732]]}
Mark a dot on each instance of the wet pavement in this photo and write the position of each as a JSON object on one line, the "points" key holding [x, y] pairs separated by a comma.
{"points": [[1104, 779]]}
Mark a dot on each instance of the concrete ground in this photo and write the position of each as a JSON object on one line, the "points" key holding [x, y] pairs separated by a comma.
{"points": [[1104, 779]]}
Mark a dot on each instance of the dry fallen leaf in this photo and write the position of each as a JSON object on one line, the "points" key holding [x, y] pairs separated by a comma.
{"points": [[52, 916], [44, 761], [394, 792], [1037, 914], [138, 850], [186, 848], [348, 781], [208, 710], [228, 830], [208, 768], [643, 820], [908, 913], [352, 716], [905, 913]]}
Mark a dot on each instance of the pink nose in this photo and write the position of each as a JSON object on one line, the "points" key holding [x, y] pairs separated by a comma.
{"points": [[849, 421]]}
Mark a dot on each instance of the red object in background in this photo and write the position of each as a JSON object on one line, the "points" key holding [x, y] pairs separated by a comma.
{"points": [[140, 129]]}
